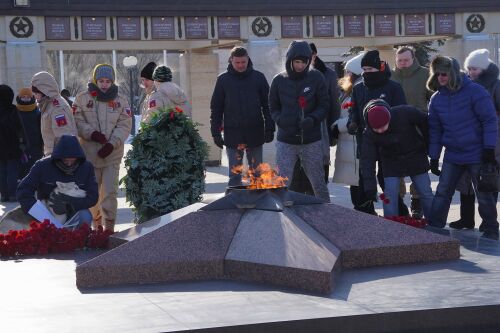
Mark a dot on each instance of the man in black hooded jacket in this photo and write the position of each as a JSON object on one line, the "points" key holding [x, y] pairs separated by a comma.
{"points": [[299, 101], [66, 164]]}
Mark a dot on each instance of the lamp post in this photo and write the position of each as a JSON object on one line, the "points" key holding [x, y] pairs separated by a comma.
{"points": [[130, 63]]}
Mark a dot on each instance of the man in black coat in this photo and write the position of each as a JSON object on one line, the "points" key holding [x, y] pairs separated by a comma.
{"points": [[66, 164], [299, 102], [240, 109], [376, 84], [396, 137]]}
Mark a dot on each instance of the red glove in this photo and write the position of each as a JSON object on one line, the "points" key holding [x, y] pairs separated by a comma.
{"points": [[105, 150], [98, 137]]}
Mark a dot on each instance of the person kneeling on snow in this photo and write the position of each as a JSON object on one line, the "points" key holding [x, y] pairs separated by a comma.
{"points": [[66, 164], [397, 137]]}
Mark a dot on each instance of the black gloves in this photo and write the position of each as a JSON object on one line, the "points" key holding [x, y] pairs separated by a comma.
{"points": [[268, 136], [58, 203], [371, 195], [489, 156], [307, 123], [219, 141], [98, 137], [352, 128], [334, 133], [435, 167]]}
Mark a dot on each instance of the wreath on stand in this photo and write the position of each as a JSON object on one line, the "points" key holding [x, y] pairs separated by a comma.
{"points": [[165, 167]]}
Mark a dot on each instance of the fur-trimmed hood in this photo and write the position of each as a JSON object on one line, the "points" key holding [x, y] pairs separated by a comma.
{"points": [[488, 77], [449, 65]]}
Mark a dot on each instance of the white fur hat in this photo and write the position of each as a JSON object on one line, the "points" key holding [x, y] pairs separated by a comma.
{"points": [[354, 64], [478, 58]]}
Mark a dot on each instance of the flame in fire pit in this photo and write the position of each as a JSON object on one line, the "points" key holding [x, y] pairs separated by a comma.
{"points": [[262, 177]]}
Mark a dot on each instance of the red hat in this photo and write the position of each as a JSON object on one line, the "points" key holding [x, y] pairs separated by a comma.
{"points": [[378, 116]]}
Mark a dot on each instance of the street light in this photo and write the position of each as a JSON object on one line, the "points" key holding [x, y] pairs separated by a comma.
{"points": [[130, 63]]}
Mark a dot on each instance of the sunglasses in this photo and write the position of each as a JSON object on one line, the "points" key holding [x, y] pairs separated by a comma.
{"points": [[442, 74]]}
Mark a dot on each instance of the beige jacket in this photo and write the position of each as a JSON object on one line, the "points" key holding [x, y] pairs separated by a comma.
{"points": [[56, 115], [113, 119], [167, 95]]}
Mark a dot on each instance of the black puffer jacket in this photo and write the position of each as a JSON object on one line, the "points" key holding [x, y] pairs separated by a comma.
{"points": [[401, 150], [286, 89], [11, 131], [385, 89], [239, 106]]}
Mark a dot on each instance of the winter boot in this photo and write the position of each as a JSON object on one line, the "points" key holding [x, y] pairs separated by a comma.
{"points": [[467, 209], [416, 208], [109, 225], [402, 208]]}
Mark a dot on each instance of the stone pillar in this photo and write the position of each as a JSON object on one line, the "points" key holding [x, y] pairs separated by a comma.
{"points": [[22, 61], [199, 72]]}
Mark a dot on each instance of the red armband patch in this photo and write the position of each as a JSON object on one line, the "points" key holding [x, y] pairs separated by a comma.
{"points": [[129, 112], [152, 103]]}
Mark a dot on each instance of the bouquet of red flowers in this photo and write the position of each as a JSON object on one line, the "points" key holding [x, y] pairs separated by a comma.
{"points": [[43, 238], [413, 222]]}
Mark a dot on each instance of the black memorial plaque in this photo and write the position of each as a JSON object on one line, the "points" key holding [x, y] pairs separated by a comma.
{"points": [[57, 28], [93, 28], [385, 25], [162, 27], [196, 27], [228, 27], [415, 24], [445, 24], [354, 25], [129, 27], [291, 27], [323, 26]]}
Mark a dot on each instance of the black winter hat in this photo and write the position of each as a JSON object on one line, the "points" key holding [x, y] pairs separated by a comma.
{"points": [[147, 71], [313, 48], [372, 59], [6, 95], [162, 74]]}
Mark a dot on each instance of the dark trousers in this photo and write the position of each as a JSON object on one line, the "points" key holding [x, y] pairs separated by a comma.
{"points": [[8, 179]]}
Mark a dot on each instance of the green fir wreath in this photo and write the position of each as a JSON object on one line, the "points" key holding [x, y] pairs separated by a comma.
{"points": [[165, 167]]}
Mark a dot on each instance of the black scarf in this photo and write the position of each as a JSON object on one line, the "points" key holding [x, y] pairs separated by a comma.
{"points": [[375, 79], [68, 170], [107, 96]]}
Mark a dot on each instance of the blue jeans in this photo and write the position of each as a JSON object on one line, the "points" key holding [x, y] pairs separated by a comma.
{"points": [[8, 178], [235, 158], [422, 184], [450, 175], [80, 217]]}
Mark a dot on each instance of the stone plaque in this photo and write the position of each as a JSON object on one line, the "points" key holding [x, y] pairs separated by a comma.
{"points": [[415, 24], [196, 27], [354, 25], [57, 28], [228, 26], [93, 28], [385, 25], [323, 26], [445, 23], [129, 27], [291, 27], [162, 28]]}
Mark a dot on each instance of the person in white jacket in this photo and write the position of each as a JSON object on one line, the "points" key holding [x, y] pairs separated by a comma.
{"points": [[167, 94], [346, 169]]}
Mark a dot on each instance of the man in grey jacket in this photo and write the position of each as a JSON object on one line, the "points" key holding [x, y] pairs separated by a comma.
{"points": [[298, 102]]}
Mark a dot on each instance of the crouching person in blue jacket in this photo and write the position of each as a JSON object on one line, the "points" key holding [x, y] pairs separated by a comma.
{"points": [[67, 164]]}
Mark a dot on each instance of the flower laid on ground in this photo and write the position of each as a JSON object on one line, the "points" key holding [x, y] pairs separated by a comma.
{"points": [[413, 222], [43, 238], [384, 199]]}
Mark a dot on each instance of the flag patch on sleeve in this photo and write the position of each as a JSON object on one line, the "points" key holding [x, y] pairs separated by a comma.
{"points": [[61, 120], [152, 103]]}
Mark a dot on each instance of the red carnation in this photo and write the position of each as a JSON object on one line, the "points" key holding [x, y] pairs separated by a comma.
{"points": [[93, 93], [386, 201], [382, 196], [302, 102], [178, 109], [171, 114]]}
